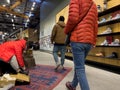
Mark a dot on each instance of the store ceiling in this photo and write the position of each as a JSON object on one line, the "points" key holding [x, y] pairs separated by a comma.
{"points": [[15, 13]]}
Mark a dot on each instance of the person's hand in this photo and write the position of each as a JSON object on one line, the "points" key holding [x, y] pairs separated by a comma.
{"points": [[24, 68], [24, 71]]}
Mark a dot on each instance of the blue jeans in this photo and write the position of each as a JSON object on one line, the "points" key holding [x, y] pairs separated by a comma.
{"points": [[62, 50], [80, 51]]}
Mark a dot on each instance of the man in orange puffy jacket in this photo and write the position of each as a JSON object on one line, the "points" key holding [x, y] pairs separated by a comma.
{"points": [[9, 52], [82, 23]]}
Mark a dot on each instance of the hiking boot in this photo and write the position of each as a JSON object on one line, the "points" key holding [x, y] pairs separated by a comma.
{"points": [[69, 86]]}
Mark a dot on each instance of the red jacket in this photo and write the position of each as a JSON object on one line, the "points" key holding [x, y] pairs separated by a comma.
{"points": [[86, 30], [10, 48]]}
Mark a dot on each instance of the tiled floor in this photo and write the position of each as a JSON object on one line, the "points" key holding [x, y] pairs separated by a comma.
{"points": [[98, 79]]}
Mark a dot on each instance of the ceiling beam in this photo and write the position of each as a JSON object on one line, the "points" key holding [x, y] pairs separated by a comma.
{"points": [[17, 3], [9, 23], [12, 12]]}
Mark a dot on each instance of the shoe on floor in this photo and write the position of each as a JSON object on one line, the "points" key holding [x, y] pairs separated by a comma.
{"points": [[68, 85], [57, 67], [60, 68]]}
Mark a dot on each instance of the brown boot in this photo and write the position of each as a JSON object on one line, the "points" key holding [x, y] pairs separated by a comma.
{"points": [[69, 86]]}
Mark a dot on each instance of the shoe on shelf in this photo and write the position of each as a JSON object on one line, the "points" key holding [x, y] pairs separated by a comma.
{"points": [[100, 54], [116, 42], [113, 55], [69, 86], [109, 18], [116, 17], [107, 31], [104, 43], [102, 20], [99, 8], [109, 39]]}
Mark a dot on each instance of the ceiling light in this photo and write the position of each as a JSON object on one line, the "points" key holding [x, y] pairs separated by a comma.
{"points": [[12, 20], [13, 27], [7, 15], [13, 24], [33, 4], [25, 24], [32, 8], [14, 16], [27, 20], [8, 1]]}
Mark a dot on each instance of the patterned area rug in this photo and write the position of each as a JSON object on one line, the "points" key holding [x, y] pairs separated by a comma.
{"points": [[43, 77]]}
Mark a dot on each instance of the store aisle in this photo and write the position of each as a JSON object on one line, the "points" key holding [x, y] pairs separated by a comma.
{"points": [[98, 79]]}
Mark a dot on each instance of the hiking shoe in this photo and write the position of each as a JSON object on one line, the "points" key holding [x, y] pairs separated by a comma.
{"points": [[113, 55], [69, 86], [60, 68], [57, 67]]}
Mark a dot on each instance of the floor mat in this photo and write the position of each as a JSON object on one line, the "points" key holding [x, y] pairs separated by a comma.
{"points": [[43, 77]]}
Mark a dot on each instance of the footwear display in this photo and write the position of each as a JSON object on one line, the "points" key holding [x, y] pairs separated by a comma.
{"points": [[109, 39], [109, 18], [116, 42], [99, 8], [105, 43], [116, 17], [107, 31], [102, 20], [68, 85], [100, 54], [105, 5], [113, 55]]}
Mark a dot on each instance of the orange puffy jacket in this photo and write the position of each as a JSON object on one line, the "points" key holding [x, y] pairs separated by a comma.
{"points": [[10, 48], [86, 30]]}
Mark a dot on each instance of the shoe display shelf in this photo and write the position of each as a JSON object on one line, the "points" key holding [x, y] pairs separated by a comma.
{"points": [[107, 49]]}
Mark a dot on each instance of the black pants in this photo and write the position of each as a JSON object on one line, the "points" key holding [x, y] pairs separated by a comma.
{"points": [[6, 68]]}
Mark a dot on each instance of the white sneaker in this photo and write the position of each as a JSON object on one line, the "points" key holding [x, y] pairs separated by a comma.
{"points": [[107, 31], [116, 17], [104, 42], [116, 42], [102, 20]]}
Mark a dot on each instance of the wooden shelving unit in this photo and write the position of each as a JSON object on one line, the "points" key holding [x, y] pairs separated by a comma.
{"points": [[106, 49]]}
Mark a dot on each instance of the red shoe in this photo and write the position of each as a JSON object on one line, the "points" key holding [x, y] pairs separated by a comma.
{"points": [[68, 85]]}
